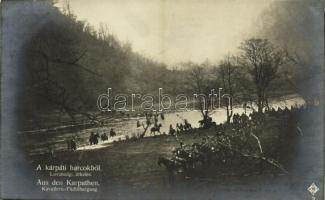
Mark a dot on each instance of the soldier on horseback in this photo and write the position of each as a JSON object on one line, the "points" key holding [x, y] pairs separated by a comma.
{"points": [[155, 129], [112, 133], [172, 131]]}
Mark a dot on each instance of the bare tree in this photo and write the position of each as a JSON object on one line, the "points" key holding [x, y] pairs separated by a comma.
{"points": [[226, 72], [202, 85], [262, 60]]}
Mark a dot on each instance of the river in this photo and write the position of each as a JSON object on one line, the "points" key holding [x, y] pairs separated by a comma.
{"points": [[43, 142]]}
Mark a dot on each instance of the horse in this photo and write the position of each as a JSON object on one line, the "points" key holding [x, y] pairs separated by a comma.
{"points": [[155, 129], [181, 127], [112, 133], [214, 124], [170, 165], [104, 137], [187, 126], [93, 138], [201, 122], [72, 145], [207, 123], [172, 131]]}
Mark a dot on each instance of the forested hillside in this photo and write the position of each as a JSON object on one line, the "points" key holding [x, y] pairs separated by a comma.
{"points": [[68, 63]]}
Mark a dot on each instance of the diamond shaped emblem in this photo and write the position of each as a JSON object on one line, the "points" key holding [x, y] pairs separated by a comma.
{"points": [[313, 189]]}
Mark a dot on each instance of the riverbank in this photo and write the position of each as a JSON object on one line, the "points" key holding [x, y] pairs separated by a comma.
{"points": [[132, 165]]}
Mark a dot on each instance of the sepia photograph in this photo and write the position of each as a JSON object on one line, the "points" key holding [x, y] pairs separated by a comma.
{"points": [[162, 99]]}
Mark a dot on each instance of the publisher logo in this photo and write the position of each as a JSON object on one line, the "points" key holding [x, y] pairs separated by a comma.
{"points": [[313, 189]]}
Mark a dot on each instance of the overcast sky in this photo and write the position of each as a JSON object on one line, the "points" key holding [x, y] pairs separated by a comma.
{"points": [[176, 31]]}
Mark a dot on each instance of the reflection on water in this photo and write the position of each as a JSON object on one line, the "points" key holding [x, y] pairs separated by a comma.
{"points": [[128, 127]]}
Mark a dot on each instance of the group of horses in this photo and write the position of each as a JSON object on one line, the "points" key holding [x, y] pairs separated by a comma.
{"points": [[185, 127], [179, 128], [188, 158], [93, 138]]}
